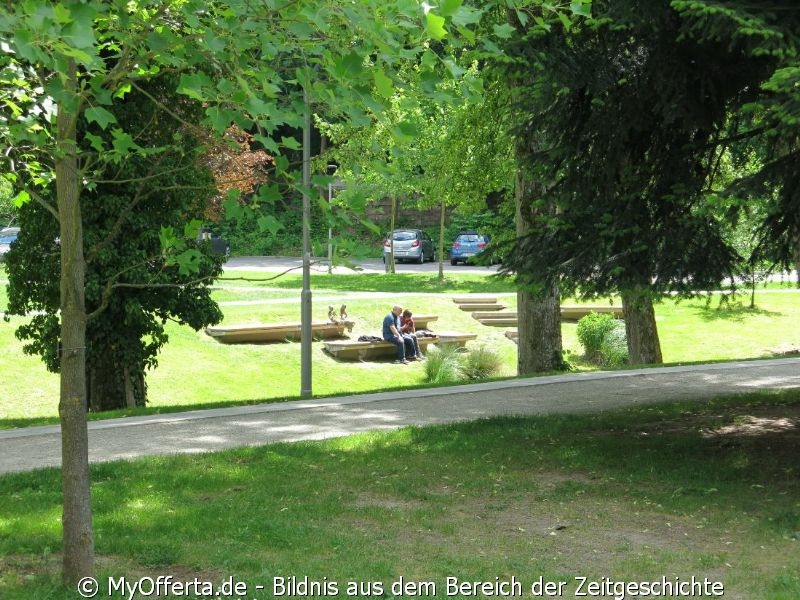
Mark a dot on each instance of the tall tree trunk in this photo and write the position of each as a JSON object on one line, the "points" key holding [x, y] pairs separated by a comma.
{"points": [[442, 215], [392, 219], [797, 261], [78, 559], [539, 345], [644, 347], [112, 385]]}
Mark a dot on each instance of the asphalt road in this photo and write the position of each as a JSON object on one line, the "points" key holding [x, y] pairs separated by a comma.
{"points": [[277, 264], [217, 429]]}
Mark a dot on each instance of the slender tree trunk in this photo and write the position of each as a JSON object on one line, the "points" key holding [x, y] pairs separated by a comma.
{"points": [[640, 327], [441, 242], [797, 261], [392, 218], [539, 345], [78, 560]]}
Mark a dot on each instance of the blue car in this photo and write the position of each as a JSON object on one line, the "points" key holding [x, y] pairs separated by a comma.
{"points": [[467, 245]]}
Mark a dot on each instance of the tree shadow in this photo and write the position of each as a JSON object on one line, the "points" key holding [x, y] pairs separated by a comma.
{"points": [[734, 311]]}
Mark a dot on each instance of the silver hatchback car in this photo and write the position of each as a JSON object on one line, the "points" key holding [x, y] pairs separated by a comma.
{"points": [[412, 245]]}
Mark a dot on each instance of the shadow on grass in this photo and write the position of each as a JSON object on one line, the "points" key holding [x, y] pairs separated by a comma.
{"points": [[736, 313]]}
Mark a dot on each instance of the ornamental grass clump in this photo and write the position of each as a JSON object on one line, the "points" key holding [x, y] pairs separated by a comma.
{"points": [[481, 363], [443, 365], [603, 339]]}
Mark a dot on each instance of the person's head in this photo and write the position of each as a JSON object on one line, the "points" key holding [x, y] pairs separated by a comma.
{"points": [[406, 314], [397, 310]]}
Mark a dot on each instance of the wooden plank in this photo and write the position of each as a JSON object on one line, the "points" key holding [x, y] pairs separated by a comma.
{"points": [[474, 299], [509, 321], [568, 313], [261, 333], [456, 339], [477, 306], [492, 314], [577, 312], [355, 350], [423, 321]]}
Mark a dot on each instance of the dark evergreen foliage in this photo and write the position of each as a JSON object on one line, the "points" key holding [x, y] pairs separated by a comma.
{"points": [[629, 115]]}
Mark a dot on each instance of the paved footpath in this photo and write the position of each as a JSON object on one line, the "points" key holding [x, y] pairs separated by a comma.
{"points": [[215, 429]]}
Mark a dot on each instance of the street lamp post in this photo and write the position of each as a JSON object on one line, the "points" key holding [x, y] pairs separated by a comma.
{"points": [[305, 295]]}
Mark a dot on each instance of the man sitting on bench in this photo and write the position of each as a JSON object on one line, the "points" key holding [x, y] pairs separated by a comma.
{"points": [[406, 344]]}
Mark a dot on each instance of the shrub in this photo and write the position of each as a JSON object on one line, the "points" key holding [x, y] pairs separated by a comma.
{"points": [[481, 363], [442, 365], [614, 348], [603, 339]]}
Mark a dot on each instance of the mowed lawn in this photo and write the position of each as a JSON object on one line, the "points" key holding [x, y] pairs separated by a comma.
{"points": [[706, 490], [195, 370]]}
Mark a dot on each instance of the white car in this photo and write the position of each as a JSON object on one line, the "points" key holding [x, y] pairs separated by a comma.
{"points": [[7, 235]]}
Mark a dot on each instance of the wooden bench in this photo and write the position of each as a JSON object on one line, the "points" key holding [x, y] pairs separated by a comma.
{"points": [[422, 322], [474, 299], [568, 313], [355, 350], [261, 333], [577, 312], [500, 320], [478, 306]]}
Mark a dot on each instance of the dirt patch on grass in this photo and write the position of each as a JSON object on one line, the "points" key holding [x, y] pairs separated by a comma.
{"points": [[781, 423]]}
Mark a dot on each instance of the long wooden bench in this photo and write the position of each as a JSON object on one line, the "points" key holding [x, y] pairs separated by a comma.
{"points": [[475, 299], [476, 306], [355, 350], [577, 312], [500, 320], [568, 313], [261, 333], [423, 321]]}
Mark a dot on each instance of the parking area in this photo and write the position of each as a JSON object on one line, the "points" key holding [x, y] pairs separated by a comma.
{"points": [[279, 264]]}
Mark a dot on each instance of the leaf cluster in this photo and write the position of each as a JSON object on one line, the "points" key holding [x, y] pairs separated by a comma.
{"points": [[627, 117]]}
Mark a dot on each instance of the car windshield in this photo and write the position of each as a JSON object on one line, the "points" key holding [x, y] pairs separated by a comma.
{"points": [[469, 239], [404, 236]]}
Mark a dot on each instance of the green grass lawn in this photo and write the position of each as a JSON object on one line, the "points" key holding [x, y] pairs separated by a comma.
{"points": [[196, 371], [704, 490]]}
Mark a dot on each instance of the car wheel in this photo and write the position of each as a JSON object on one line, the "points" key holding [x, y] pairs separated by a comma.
{"points": [[453, 262], [421, 258]]}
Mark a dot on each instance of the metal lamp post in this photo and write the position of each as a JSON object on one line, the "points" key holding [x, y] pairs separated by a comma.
{"points": [[305, 295]]}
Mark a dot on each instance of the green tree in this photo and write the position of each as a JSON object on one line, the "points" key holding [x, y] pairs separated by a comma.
{"points": [[130, 292], [8, 211], [630, 142], [252, 64]]}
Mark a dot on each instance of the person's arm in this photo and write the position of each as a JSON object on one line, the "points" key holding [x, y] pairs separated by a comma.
{"points": [[395, 333]]}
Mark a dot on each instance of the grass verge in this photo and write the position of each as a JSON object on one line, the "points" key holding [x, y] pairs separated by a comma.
{"points": [[679, 490], [196, 372]]}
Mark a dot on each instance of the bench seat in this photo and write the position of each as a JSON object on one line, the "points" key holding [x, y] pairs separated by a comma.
{"points": [[475, 299], [488, 306], [355, 350], [261, 333]]}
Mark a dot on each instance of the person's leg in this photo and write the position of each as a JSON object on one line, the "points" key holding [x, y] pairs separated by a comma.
{"points": [[415, 342], [408, 343], [401, 351]]}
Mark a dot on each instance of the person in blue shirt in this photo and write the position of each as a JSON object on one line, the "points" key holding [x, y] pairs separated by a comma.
{"points": [[407, 345]]}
